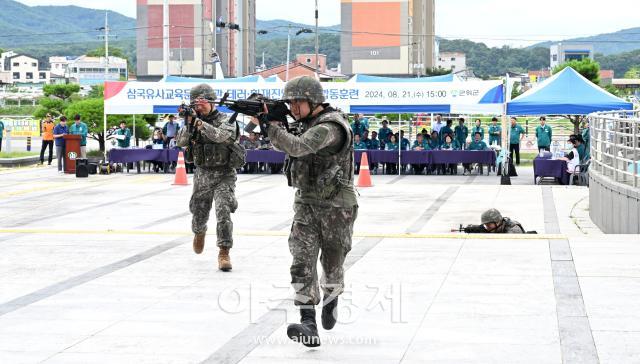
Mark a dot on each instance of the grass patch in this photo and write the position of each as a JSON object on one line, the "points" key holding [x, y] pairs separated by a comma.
{"points": [[17, 154]]}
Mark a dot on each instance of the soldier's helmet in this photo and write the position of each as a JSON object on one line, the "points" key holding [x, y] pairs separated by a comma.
{"points": [[203, 90], [491, 215], [304, 88]]}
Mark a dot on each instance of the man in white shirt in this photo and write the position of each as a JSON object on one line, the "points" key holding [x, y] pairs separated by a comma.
{"points": [[438, 124]]}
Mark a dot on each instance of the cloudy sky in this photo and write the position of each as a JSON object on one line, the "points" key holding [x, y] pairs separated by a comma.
{"points": [[495, 22]]}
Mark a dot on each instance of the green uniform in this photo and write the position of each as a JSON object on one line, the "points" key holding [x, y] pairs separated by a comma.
{"points": [[434, 143], [124, 143], [450, 146], [587, 144], [582, 152], [479, 145], [383, 134], [1, 131], [477, 129], [516, 131], [360, 145], [495, 132], [444, 131], [80, 129], [391, 146], [424, 145], [461, 133], [543, 134]]}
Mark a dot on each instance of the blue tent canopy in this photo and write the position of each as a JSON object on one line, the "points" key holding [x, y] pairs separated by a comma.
{"points": [[366, 78], [566, 93]]}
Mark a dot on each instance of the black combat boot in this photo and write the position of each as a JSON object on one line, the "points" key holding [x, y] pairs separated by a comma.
{"points": [[329, 312], [306, 332]]}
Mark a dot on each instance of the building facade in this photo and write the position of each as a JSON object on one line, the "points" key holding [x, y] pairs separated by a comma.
{"points": [[563, 52], [88, 71], [193, 46], [394, 38], [22, 69], [455, 61]]}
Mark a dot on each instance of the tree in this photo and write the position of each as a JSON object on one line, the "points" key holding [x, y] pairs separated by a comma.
{"points": [[91, 111], [96, 91], [588, 68], [633, 72], [437, 71], [62, 92], [113, 52], [56, 99]]}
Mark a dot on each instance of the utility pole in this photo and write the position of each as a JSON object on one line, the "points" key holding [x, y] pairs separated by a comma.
{"points": [[165, 38], [286, 75], [317, 60], [106, 72]]}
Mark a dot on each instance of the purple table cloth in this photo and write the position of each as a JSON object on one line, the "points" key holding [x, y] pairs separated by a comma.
{"points": [[546, 167], [138, 155], [265, 156], [487, 157]]}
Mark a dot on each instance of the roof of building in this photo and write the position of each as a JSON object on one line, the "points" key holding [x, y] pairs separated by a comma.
{"points": [[294, 64], [606, 74]]}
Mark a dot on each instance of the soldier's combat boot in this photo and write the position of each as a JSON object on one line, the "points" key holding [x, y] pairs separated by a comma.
{"points": [[329, 312], [224, 262], [306, 332], [198, 242]]}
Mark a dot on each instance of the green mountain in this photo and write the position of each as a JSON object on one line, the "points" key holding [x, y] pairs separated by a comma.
{"points": [[625, 40], [43, 31]]}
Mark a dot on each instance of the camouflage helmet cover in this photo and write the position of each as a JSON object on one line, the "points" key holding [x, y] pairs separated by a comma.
{"points": [[203, 90], [491, 215], [304, 88]]}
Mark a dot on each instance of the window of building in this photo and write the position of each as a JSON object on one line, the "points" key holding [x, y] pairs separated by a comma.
{"points": [[16, 64], [33, 64], [29, 76], [43, 75], [308, 60], [555, 57], [453, 59], [16, 75]]}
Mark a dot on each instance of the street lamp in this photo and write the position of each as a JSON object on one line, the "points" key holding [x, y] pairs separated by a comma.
{"points": [[300, 31]]}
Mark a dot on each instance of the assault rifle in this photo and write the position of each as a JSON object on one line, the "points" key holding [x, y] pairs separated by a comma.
{"points": [[277, 110], [470, 229]]}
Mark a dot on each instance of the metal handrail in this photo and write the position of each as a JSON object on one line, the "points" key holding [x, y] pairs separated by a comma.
{"points": [[615, 145]]}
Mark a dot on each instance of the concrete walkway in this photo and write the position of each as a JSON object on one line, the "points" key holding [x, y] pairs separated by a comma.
{"points": [[101, 270]]}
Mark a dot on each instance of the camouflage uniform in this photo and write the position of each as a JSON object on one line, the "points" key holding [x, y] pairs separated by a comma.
{"points": [[214, 179], [320, 165], [505, 224]]}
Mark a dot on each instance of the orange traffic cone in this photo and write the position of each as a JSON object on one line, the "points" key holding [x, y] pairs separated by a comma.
{"points": [[364, 178], [181, 172]]}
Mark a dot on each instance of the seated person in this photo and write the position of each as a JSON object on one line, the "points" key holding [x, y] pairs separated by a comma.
{"points": [[358, 144], [374, 144], [573, 157], [449, 144], [476, 144], [434, 144], [157, 141], [392, 168], [419, 144], [251, 143]]}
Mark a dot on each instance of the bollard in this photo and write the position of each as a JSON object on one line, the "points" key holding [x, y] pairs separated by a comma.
{"points": [[28, 143], [8, 137]]}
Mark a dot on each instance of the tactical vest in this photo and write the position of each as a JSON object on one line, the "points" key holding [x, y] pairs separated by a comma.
{"points": [[508, 224], [208, 154], [326, 172]]}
